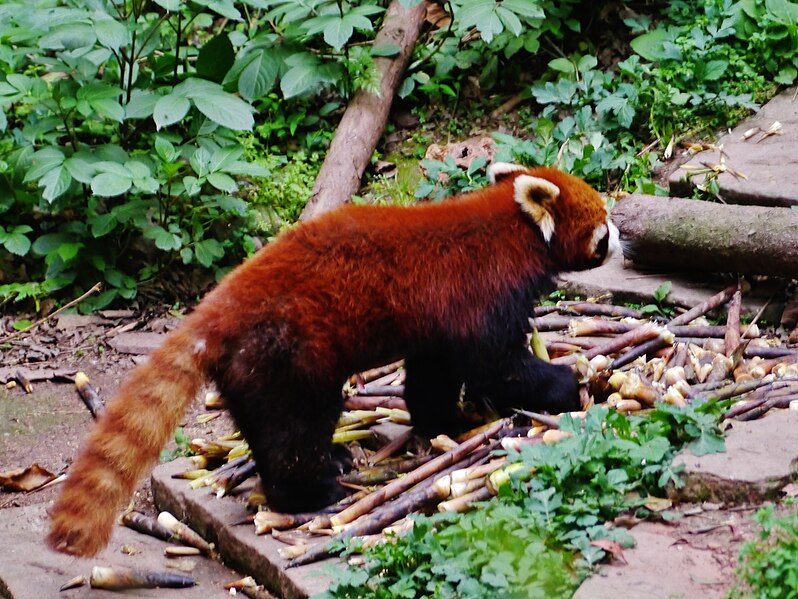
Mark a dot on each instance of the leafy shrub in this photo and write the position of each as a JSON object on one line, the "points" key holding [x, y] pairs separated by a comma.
{"points": [[559, 498], [769, 564]]}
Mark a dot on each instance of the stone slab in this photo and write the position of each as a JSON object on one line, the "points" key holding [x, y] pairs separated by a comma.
{"points": [[29, 570], [136, 343], [761, 458], [770, 164], [627, 284], [216, 519]]}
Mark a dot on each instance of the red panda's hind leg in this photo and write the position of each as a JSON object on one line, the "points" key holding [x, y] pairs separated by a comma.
{"points": [[289, 428]]}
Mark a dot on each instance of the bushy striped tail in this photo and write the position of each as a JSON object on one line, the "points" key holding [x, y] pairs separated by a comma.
{"points": [[124, 444]]}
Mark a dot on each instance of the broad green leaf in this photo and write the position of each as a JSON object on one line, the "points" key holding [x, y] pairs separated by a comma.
{"points": [[16, 242], [102, 224], [55, 183], [164, 240], [232, 204], [111, 33], [386, 50], [192, 184], [109, 108], [525, 8], [222, 182], [337, 32], [110, 184], [563, 65], [200, 161], [69, 251], [224, 157], [80, 169], [69, 36], [259, 75], [300, 79], [43, 162], [714, 69], [142, 104], [226, 8], [207, 251], [137, 169], [510, 20], [50, 242], [113, 168], [165, 149], [226, 110], [169, 5], [170, 109], [650, 45], [215, 58]]}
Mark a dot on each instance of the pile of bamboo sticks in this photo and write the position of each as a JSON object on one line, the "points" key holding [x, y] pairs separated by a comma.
{"points": [[623, 359]]}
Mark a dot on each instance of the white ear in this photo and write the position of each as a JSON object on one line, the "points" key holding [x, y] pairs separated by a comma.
{"points": [[535, 196], [499, 170]]}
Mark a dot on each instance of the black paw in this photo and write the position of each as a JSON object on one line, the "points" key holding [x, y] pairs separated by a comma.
{"points": [[340, 459], [292, 497]]}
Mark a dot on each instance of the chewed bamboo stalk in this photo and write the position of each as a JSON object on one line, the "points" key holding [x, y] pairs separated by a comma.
{"points": [[89, 394], [401, 484], [380, 474], [120, 578], [636, 336], [146, 525], [732, 338], [464, 502], [391, 447], [362, 402], [183, 533], [713, 302]]}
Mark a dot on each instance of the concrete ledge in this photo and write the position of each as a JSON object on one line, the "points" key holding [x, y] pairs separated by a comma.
{"points": [[239, 546]]}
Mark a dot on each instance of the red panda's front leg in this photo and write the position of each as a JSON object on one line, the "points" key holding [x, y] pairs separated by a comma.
{"points": [[521, 380]]}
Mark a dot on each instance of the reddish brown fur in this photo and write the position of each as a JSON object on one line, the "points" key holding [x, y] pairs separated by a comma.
{"points": [[351, 290]]}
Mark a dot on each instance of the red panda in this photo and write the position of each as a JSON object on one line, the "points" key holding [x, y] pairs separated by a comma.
{"points": [[449, 286]]}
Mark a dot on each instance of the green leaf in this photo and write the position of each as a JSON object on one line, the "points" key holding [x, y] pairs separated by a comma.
{"points": [[259, 75], [142, 104], [16, 242], [81, 170], [111, 34], [43, 161], [385, 50], [165, 149], [226, 110], [110, 184], [55, 183], [222, 182], [215, 58], [337, 32], [662, 291], [164, 240], [300, 79], [650, 45], [715, 69], [207, 251], [170, 109], [525, 8], [102, 224], [169, 5], [563, 65]]}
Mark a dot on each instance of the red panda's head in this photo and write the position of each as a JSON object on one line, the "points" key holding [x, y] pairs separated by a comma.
{"points": [[572, 216]]}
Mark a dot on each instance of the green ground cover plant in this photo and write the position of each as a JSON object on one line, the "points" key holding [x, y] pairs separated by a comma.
{"points": [[548, 525], [769, 563]]}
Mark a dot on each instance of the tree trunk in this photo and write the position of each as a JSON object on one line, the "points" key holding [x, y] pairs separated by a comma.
{"points": [[691, 235], [364, 120]]}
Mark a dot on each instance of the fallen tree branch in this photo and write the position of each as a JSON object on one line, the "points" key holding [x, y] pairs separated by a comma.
{"points": [[364, 120]]}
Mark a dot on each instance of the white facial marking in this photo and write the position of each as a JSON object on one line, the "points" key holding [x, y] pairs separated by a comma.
{"points": [[199, 346]]}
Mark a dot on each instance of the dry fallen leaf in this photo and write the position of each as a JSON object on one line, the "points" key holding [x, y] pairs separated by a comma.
{"points": [[25, 479], [658, 504], [611, 547]]}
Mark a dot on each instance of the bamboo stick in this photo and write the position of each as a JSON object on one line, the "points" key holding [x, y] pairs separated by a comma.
{"points": [[713, 302], [402, 484], [89, 395]]}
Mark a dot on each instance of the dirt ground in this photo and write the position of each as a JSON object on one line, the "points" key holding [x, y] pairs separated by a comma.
{"points": [[46, 426]]}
